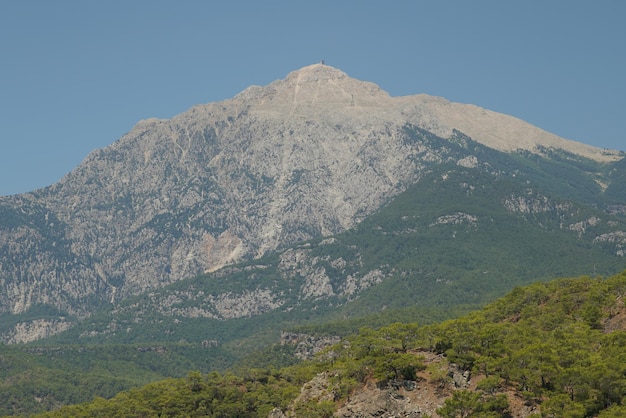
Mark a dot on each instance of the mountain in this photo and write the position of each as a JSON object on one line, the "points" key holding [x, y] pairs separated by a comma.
{"points": [[460, 236], [310, 156]]}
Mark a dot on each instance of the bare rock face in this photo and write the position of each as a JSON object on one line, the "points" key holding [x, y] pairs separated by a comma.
{"points": [[311, 155], [307, 346], [33, 330]]}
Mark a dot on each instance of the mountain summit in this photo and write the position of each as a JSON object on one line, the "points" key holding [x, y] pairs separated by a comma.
{"points": [[307, 156], [328, 90], [316, 86]]}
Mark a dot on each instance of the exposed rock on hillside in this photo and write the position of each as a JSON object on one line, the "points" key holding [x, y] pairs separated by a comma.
{"points": [[398, 398], [37, 329], [307, 346]]}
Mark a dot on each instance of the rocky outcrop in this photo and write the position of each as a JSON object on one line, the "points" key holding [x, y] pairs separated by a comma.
{"points": [[397, 398], [307, 346], [533, 203], [25, 332]]}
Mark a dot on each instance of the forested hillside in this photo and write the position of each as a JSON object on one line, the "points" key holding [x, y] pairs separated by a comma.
{"points": [[555, 349]]}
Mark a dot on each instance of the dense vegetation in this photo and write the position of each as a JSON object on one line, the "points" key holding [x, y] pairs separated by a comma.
{"points": [[560, 346]]}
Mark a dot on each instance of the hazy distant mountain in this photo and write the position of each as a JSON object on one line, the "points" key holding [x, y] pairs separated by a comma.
{"points": [[309, 156]]}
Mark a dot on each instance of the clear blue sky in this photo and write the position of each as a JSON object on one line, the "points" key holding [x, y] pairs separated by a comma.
{"points": [[77, 75]]}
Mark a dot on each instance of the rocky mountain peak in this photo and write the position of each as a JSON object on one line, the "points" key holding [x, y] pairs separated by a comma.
{"points": [[310, 155], [315, 72], [316, 88], [321, 91]]}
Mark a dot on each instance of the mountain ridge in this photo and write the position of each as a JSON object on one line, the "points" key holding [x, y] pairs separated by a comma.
{"points": [[433, 113]]}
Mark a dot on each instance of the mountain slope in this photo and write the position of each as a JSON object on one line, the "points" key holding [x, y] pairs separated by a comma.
{"points": [[461, 236], [308, 156]]}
